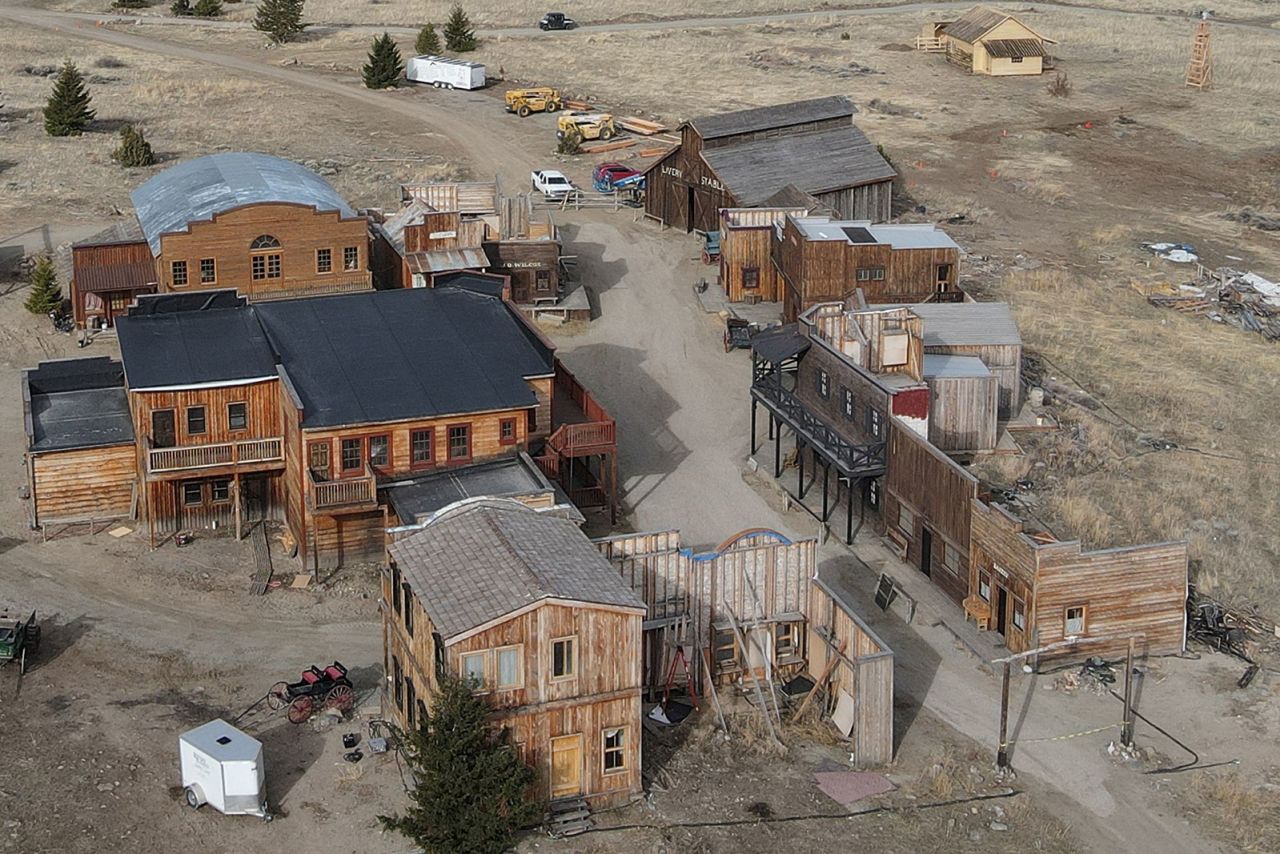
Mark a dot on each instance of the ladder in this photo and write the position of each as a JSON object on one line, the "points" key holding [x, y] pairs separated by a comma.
{"points": [[1200, 68]]}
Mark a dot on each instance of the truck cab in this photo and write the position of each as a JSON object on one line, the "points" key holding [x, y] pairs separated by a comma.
{"points": [[551, 183], [557, 21]]}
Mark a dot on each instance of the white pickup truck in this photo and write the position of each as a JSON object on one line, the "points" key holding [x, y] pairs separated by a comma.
{"points": [[551, 183]]}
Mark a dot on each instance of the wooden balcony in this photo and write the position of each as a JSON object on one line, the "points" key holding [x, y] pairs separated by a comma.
{"points": [[582, 426], [251, 454], [851, 458], [342, 495]]}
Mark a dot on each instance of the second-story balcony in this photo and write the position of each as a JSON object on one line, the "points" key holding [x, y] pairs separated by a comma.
{"points": [[342, 494], [246, 454], [851, 458]]}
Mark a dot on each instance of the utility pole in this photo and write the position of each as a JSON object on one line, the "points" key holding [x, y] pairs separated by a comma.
{"points": [[1002, 747], [1126, 731]]}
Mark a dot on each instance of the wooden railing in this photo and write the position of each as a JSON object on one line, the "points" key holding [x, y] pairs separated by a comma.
{"points": [[597, 434], [851, 458], [343, 492], [161, 460], [930, 44]]}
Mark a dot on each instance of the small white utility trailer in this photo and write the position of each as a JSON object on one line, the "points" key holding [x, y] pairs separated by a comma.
{"points": [[445, 73], [222, 767]]}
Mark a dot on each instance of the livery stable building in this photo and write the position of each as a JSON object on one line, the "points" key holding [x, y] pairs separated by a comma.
{"points": [[744, 159]]}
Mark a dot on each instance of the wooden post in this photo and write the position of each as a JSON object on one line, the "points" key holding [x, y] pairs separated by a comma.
{"points": [[777, 451], [826, 472], [235, 496], [1002, 749], [754, 404], [1126, 731], [800, 466]]}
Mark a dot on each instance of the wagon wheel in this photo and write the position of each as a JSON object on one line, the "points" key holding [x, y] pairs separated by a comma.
{"points": [[300, 709], [727, 341], [278, 696], [706, 257], [341, 698]]}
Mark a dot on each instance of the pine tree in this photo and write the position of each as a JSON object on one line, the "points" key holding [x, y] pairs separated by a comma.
{"points": [[45, 294], [134, 150], [207, 8], [428, 43], [130, 4], [469, 790], [180, 8], [281, 20], [384, 67], [458, 34], [67, 113]]}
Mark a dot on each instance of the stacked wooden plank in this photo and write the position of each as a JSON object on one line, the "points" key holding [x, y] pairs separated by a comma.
{"points": [[1244, 300], [639, 126], [608, 146]]}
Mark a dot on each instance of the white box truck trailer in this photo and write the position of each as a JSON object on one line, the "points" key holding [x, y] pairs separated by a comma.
{"points": [[222, 767], [445, 73]]}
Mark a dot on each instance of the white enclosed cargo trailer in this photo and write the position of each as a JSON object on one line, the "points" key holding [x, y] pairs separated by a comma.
{"points": [[222, 767], [445, 73]]}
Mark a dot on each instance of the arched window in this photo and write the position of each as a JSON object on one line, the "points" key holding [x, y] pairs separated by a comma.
{"points": [[264, 258], [265, 241]]}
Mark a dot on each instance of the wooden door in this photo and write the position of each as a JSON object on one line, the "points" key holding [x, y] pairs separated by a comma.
{"points": [[566, 766], [163, 430], [926, 551]]}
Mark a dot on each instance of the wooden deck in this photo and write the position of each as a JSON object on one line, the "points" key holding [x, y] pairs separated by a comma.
{"points": [[347, 494], [249, 454]]}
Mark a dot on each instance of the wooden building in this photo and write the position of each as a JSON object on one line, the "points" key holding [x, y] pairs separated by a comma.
{"points": [[1035, 591], [543, 627], [264, 226], [984, 330], [747, 271], [963, 403], [824, 260], [988, 41], [742, 159]]}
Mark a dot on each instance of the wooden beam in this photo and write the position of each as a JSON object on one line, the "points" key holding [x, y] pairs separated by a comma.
{"points": [[832, 661]]}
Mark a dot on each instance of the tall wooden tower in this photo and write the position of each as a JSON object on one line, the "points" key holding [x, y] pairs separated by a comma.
{"points": [[1200, 68]]}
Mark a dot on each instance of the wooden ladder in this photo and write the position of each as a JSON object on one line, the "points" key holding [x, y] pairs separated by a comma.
{"points": [[1200, 69]]}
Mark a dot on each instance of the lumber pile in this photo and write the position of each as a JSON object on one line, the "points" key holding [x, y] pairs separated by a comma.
{"points": [[1244, 300], [577, 105], [601, 147], [639, 126]]}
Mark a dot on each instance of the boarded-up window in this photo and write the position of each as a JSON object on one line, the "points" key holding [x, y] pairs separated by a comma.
{"points": [[1074, 621], [563, 655], [508, 660], [615, 749], [751, 277], [473, 667]]}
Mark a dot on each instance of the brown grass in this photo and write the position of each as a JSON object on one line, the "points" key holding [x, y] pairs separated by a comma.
{"points": [[1245, 814]]}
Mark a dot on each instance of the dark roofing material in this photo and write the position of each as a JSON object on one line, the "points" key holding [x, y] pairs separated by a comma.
{"points": [[779, 343], [125, 231], [469, 280], [415, 500], [149, 304], [858, 234], [126, 276], [974, 24], [77, 403], [1008, 48], [486, 560], [199, 189], [414, 353], [775, 116], [816, 162], [190, 348]]}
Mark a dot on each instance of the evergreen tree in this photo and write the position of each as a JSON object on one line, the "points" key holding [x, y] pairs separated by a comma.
{"points": [[180, 8], [384, 67], [428, 43], [134, 150], [281, 20], [45, 294], [130, 4], [458, 34], [207, 8], [469, 790], [67, 113]]}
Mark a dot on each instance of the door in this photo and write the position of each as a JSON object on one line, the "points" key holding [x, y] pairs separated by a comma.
{"points": [[926, 551], [520, 289], [689, 215], [944, 277], [163, 430], [566, 766], [1002, 603]]}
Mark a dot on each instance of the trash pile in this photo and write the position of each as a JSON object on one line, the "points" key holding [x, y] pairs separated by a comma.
{"points": [[1178, 253], [1244, 300], [1230, 631], [1094, 676]]}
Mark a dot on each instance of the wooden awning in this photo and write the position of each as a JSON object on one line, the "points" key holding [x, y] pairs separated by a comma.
{"points": [[1014, 48]]}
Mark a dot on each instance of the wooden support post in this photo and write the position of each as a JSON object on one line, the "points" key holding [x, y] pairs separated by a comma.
{"points": [[777, 451], [826, 472], [800, 466], [1002, 749], [151, 515], [235, 494], [613, 488], [1126, 731], [754, 404], [827, 670], [848, 519]]}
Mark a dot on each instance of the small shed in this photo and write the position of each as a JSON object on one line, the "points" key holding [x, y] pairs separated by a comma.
{"points": [[986, 330], [988, 41], [963, 402]]}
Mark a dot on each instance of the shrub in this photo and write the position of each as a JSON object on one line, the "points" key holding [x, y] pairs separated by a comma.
{"points": [[570, 143], [134, 151], [1059, 86]]}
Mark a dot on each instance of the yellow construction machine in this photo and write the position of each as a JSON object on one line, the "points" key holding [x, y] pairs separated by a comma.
{"points": [[588, 125], [540, 99]]}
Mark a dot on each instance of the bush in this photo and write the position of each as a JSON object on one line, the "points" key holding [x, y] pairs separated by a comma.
{"points": [[109, 62], [1059, 86], [458, 34], [130, 4], [45, 294], [67, 112], [428, 43], [384, 67], [134, 151], [570, 143], [469, 785], [207, 8], [180, 8]]}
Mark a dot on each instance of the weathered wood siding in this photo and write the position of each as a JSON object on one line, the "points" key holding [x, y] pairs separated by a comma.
{"points": [[867, 396], [88, 483], [108, 255], [301, 231], [164, 507], [962, 412], [868, 201], [938, 493], [682, 191], [262, 406], [746, 243], [347, 538], [863, 670], [533, 265]]}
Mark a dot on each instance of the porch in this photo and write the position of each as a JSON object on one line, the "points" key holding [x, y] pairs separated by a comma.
{"points": [[352, 494], [173, 463], [581, 454]]}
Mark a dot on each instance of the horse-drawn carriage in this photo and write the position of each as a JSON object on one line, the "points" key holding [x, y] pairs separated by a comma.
{"points": [[18, 638], [317, 690]]}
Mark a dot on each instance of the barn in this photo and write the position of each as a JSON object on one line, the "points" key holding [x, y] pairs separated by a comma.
{"points": [[743, 159], [988, 41]]}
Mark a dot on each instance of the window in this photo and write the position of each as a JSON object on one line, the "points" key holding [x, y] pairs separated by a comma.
{"points": [[726, 647], [318, 454], [871, 274], [380, 451], [237, 416], [984, 588], [420, 448], [906, 520], [397, 682], [1074, 621], [410, 701], [615, 750], [874, 424], [785, 636], [208, 271], [473, 667], [507, 431], [877, 274], [265, 267], [264, 241], [873, 492], [324, 260], [460, 442], [824, 384], [531, 422], [408, 608], [351, 258], [395, 589], [220, 490], [950, 557], [273, 266], [1019, 614], [351, 456], [864, 274], [750, 278], [542, 281], [1015, 59], [178, 269], [562, 658], [509, 661], [259, 267], [192, 493], [848, 403], [196, 423]]}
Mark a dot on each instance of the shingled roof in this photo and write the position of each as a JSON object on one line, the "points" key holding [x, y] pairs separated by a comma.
{"points": [[481, 561], [977, 22], [775, 116]]}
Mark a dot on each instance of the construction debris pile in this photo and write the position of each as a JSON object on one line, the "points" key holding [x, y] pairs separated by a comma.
{"points": [[1244, 300]]}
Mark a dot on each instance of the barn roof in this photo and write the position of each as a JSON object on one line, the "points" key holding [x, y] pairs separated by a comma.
{"points": [[200, 189], [817, 162], [775, 116], [792, 196], [977, 22], [482, 561], [1010, 48]]}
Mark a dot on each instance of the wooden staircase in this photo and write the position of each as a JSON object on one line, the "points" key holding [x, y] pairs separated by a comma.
{"points": [[1200, 68], [568, 817]]}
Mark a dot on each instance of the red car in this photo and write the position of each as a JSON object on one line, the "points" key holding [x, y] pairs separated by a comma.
{"points": [[607, 175]]}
